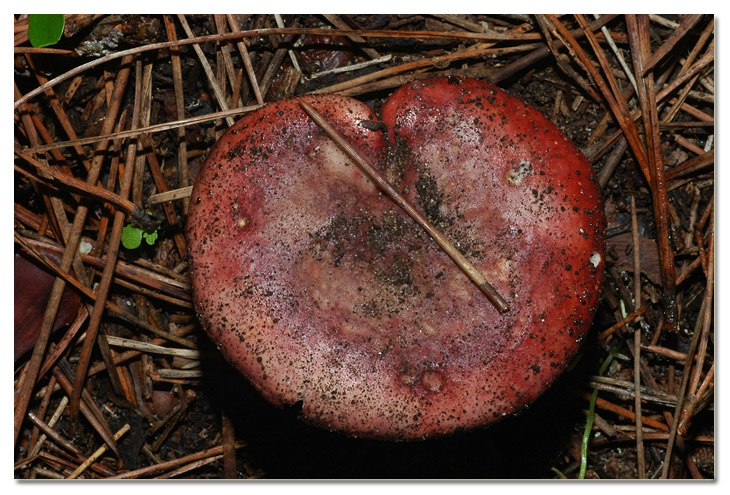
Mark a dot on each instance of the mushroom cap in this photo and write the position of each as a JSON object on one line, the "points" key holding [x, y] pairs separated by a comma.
{"points": [[322, 292], [32, 288]]}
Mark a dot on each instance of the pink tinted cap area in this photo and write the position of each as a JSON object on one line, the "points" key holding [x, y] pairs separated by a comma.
{"points": [[319, 289]]}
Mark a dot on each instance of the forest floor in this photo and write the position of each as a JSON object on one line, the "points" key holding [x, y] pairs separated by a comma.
{"points": [[189, 414]]}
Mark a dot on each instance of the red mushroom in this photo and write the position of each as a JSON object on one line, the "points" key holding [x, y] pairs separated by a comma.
{"points": [[32, 289], [321, 290]]}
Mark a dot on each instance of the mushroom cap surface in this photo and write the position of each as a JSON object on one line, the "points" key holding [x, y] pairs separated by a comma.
{"points": [[321, 291]]}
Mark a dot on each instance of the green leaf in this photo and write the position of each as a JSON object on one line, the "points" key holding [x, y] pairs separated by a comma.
{"points": [[45, 29], [150, 238], [131, 237]]}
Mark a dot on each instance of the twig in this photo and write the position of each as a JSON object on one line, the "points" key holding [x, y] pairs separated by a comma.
{"points": [[97, 453], [227, 427], [144, 130], [111, 184], [37, 438], [48, 473], [654, 436], [612, 161], [99, 469], [273, 65], [609, 89], [701, 252], [698, 66], [548, 25], [663, 351], [677, 103], [246, 60], [63, 344], [426, 71], [691, 166], [89, 190], [171, 195], [706, 33], [177, 374], [470, 52], [152, 348], [704, 336], [705, 307], [102, 292], [176, 286], [172, 219], [45, 51], [337, 22], [110, 306], [53, 434], [189, 467], [149, 470], [638, 36], [352, 67], [622, 411], [175, 412], [695, 173], [671, 126], [693, 399], [470, 270], [637, 343], [637, 255], [462, 23], [707, 382], [206, 67], [182, 144], [619, 55], [626, 388], [541, 52], [687, 23], [663, 21], [280, 23], [687, 143], [629, 318], [87, 406], [61, 116], [25, 389], [225, 52], [491, 36]]}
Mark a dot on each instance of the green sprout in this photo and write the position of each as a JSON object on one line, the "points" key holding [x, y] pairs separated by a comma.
{"points": [[559, 473], [45, 29], [132, 236], [591, 416]]}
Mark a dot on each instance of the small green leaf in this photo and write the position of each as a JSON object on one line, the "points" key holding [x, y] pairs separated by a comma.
{"points": [[45, 29], [150, 237], [131, 237]]}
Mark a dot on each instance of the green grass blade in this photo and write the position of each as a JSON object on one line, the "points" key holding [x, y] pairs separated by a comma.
{"points": [[591, 414]]}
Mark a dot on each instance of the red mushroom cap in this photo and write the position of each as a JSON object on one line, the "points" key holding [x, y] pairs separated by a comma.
{"points": [[320, 290], [32, 288]]}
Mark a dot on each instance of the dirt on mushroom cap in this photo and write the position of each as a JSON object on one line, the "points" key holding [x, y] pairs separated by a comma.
{"points": [[319, 289]]}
